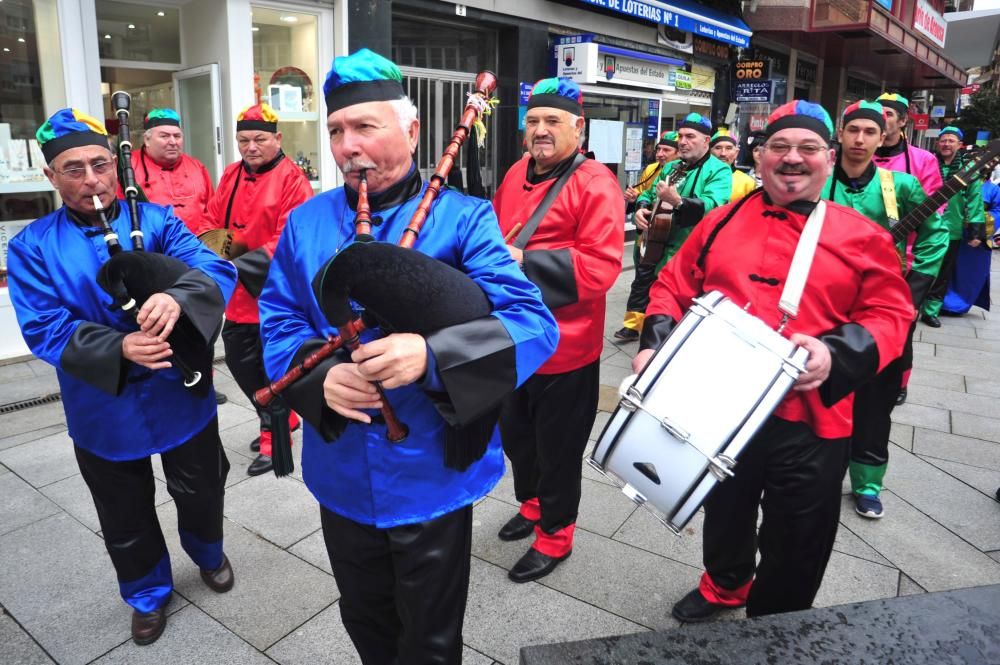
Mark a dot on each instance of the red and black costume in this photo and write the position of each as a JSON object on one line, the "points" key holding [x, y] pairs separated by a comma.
{"points": [[186, 186], [573, 257], [255, 205], [856, 303]]}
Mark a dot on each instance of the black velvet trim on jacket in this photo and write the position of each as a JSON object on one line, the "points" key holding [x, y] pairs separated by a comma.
{"points": [[560, 168], [201, 301], [854, 184], [392, 196], [251, 268], [477, 363], [919, 283], [854, 356], [94, 355], [551, 270], [265, 168], [689, 212], [655, 329], [305, 396]]}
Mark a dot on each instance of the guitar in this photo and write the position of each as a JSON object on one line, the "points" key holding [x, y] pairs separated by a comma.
{"points": [[987, 159], [660, 222]]}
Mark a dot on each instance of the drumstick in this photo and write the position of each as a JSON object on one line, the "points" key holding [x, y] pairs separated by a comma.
{"points": [[513, 232]]}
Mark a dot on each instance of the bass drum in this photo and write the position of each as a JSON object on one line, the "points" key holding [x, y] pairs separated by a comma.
{"points": [[682, 423]]}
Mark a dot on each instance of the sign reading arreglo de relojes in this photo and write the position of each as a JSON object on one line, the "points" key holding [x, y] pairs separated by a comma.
{"points": [[680, 17]]}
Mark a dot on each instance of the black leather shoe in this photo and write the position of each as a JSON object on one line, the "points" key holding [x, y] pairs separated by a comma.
{"points": [[694, 608], [255, 445], [627, 335], [220, 398], [534, 565], [262, 464], [148, 626], [932, 321], [901, 397], [221, 579], [516, 528]]}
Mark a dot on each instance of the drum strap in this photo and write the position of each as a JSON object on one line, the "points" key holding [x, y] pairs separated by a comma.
{"points": [[889, 196], [801, 263], [550, 197]]}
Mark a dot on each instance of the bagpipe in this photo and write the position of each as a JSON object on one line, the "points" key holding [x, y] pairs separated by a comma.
{"points": [[399, 290], [130, 278]]}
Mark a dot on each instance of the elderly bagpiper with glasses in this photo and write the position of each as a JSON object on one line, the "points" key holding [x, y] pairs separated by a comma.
{"points": [[852, 320]]}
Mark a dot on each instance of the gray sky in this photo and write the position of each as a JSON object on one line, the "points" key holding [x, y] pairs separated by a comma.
{"points": [[987, 4]]}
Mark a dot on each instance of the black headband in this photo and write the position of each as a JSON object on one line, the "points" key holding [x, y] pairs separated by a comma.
{"points": [[359, 92], [866, 114], [667, 142], [158, 122], [52, 149], [719, 139], [552, 100], [697, 126], [899, 107], [799, 122], [261, 125]]}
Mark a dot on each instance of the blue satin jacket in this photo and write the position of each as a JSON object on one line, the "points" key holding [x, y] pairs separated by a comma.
{"points": [[114, 408], [361, 475]]}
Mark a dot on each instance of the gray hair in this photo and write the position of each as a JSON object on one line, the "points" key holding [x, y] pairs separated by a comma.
{"points": [[406, 113]]}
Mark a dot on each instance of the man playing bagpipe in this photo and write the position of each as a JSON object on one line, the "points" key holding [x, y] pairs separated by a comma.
{"points": [[967, 267], [571, 247], [881, 196], [725, 148], [123, 400], [252, 202], [638, 295], [397, 515], [852, 319]]}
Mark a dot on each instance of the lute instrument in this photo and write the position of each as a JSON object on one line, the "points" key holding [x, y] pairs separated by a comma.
{"points": [[660, 222]]}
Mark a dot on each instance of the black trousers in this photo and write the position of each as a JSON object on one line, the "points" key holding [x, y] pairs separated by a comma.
{"points": [[638, 294], [545, 425], [245, 359], [873, 405], [403, 589], [940, 286], [124, 492], [794, 476]]}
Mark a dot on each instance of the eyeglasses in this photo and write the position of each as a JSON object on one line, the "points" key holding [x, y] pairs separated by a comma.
{"points": [[806, 149], [80, 172]]}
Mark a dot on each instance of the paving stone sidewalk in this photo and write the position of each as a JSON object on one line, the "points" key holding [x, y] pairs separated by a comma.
{"points": [[60, 604]]}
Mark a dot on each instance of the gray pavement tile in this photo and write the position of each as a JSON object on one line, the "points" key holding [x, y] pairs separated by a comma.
{"points": [[943, 380], [504, 491], [990, 334], [22, 504], [922, 416], [501, 617], [15, 372], [487, 518], [274, 592], [979, 386], [322, 640], [967, 355], [921, 548], [41, 368], [280, 510], [231, 414], [18, 647], [27, 388], [644, 531], [848, 543], [312, 549], [995, 556], [908, 587], [921, 349], [613, 376], [946, 338], [3, 470], [72, 495], [620, 359], [951, 503], [34, 435], [599, 422], [985, 480], [978, 427], [951, 400], [975, 452], [852, 580], [44, 461], [603, 509], [191, 636], [590, 473], [30, 420], [965, 367], [945, 333], [624, 580], [58, 581], [901, 435]]}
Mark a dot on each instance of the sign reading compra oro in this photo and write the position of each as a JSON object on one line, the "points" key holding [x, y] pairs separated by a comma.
{"points": [[751, 70]]}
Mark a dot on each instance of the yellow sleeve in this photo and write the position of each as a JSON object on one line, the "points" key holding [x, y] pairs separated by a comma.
{"points": [[742, 185]]}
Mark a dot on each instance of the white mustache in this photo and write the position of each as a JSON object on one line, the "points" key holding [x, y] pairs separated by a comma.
{"points": [[352, 165]]}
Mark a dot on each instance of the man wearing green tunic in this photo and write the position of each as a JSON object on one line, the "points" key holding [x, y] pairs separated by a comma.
{"points": [[857, 183], [965, 209], [707, 184]]}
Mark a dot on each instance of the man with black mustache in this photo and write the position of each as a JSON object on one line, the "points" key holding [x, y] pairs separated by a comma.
{"points": [[852, 319], [881, 195]]}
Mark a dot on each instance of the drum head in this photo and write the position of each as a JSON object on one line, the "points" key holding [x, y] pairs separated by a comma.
{"points": [[222, 242]]}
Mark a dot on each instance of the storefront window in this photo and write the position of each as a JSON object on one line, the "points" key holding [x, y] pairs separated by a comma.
{"points": [[418, 43], [138, 32], [286, 75], [25, 193]]}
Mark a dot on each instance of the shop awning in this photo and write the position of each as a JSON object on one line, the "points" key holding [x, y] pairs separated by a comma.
{"points": [[971, 37], [684, 15]]}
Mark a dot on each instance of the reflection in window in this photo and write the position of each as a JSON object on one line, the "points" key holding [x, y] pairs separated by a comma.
{"points": [[131, 31]]}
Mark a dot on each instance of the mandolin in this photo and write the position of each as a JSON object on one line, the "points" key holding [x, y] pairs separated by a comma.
{"points": [[660, 222]]}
